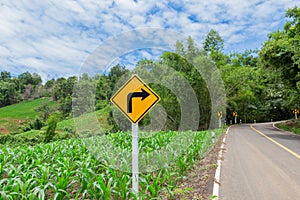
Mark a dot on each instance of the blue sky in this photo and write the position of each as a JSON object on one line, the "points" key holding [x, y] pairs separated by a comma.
{"points": [[54, 37]]}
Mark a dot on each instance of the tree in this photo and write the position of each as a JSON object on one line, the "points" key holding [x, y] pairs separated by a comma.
{"points": [[50, 132], [37, 124], [114, 75], [246, 58], [36, 79], [65, 105], [8, 93], [213, 45], [25, 79], [180, 48], [213, 42], [45, 111], [281, 52], [5, 75], [28, 91]]}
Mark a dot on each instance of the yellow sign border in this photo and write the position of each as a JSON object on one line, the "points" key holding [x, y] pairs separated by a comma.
{"points": [[147, 110]]}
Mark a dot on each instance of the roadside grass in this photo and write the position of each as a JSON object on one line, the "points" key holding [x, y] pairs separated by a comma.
{"points": [[291, 126]]}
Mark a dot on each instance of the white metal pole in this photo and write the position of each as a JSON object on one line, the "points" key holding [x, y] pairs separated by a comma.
{"points": [[296, 115], [135, 158], [220, 122], [235, 118], [213, 137]]}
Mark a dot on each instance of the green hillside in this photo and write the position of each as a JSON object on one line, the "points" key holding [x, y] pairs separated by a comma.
{"points": [[13, 116], [24, 110], [102, 116]]}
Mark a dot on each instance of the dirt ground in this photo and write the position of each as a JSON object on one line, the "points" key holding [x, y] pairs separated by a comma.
{"points": [[199, 182]]}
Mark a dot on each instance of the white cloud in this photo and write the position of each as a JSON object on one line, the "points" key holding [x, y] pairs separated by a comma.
{"points": [[55, 37]]}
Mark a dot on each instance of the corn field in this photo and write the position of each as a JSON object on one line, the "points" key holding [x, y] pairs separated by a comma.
{"points": [[66, 170]]}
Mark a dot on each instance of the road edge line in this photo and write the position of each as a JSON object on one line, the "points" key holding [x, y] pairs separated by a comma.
{"points": [[216, 186], [275, 142]]}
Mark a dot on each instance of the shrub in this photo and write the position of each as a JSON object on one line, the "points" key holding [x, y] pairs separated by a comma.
{"points": [[50, 132], [37, 124]]}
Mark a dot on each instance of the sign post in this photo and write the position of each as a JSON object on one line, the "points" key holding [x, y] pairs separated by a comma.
{"points": [[135, 158], [135, 99], [296, 112], [220, 118], [235, 114]]}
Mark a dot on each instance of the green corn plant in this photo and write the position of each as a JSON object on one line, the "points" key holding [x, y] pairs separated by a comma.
{"points": [[69, 170]]}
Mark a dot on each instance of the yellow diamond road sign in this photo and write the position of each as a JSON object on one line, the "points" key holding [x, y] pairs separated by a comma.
{"points": [[135, 98]]}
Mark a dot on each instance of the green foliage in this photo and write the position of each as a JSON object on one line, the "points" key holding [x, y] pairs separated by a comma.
{"points": [[8, 93], [177, 73], [37, 124], [102, 115], [5, 75], [65, 105], [281, 52], [291, 126], [67, 170], [84, 98], [50, 132], [213, 42], [45, 110], [20, 117], [261, 86], [31, 137], [63, 87]]}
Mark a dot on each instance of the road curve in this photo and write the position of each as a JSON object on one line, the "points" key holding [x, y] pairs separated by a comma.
{"points": [[260, 166]]}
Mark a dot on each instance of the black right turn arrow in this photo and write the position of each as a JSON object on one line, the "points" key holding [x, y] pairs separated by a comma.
{"points": [[144, 94]]}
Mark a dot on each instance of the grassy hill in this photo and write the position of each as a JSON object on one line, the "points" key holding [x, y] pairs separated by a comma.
{"points": [[102, 116], [13, 116], [24, 110]]}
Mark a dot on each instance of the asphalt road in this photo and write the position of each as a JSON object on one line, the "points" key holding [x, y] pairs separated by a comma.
{"points": [[258, 166]]}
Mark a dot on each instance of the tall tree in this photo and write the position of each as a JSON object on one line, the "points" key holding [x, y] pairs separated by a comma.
{"points": [[5, 75], [213, 45], [213, 41]]}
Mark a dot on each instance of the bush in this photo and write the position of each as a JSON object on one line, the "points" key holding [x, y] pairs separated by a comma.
{"points": [[101, 104], [27, 127], [16, 140], [50, 132], [69, 130], [37, 124]]}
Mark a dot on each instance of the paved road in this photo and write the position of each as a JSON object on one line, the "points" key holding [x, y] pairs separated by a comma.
{"points": [[254, 167]]}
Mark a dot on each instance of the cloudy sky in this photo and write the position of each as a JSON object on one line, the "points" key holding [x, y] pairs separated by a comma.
{"points": [[54, 37]]}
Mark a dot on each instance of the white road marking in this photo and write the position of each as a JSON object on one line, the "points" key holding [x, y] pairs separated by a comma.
{"points": [[216, 187]]}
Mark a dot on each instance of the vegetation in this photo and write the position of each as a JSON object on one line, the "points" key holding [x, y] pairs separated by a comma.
{"points": [[18, 117], [50, 132], [261, 85], [25, 109], [65, 170], [64, 130], [291, 126]]}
